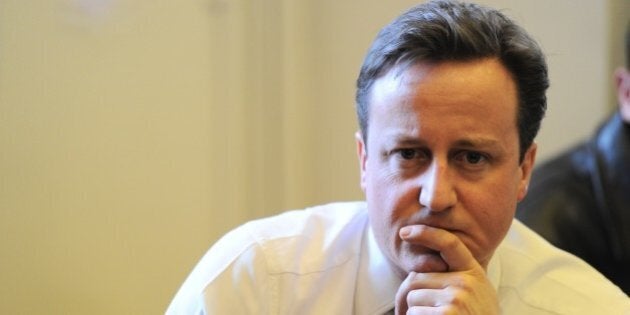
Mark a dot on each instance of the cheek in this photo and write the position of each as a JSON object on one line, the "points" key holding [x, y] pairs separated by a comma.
{"points": [[379, 196], [493, 214], [391, 197], [496, 205], [389, 202]]}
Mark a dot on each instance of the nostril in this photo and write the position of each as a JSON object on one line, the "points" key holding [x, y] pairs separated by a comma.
{"points": [[437, 198]]}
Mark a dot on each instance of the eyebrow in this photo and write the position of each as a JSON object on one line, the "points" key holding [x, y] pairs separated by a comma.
{"points": [[469, 142], [400, 138], [478, 143]]}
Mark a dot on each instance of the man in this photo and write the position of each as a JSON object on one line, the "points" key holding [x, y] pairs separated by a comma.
{"points": [[580, 200], [449, 100]]}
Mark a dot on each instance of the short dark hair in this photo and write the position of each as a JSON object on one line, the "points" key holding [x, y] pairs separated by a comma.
{"points": [[455, 31]]}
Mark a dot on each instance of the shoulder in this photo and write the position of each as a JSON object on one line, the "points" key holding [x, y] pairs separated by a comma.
{"points": [[325, 219], [537, 275], [329, 234], [298, 242], [313, 230]]}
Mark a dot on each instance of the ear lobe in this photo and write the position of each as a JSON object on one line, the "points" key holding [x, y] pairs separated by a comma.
{"points": [[622, 80], [362, 155], [527, 166]]}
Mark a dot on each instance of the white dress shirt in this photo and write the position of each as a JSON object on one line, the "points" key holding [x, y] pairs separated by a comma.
{"points": [[324, 260]]}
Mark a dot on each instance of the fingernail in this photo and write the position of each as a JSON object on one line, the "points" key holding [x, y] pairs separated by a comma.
{"points": [[405, 231]]}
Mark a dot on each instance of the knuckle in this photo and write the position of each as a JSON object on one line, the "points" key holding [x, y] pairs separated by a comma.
{"points": [[463, 282], [458, 300]]}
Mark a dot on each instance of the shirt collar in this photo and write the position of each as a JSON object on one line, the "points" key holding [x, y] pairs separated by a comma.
{"points": [[493, 272], [377, 283]]}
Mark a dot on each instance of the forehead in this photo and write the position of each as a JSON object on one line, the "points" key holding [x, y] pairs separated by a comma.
{"points": [[476, 96], [477, 81]]}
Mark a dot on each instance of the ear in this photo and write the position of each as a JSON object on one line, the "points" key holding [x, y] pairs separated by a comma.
{"points": [[527, 166], [362, 155], [622, 82]]}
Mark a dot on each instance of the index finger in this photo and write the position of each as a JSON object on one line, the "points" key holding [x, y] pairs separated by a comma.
{"points": [[451, 248]]}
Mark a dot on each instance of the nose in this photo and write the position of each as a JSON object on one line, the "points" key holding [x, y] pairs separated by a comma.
{"points": [[436, 188]]}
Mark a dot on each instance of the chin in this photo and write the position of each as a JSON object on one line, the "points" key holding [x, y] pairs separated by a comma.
{"points": [[423, 263]]}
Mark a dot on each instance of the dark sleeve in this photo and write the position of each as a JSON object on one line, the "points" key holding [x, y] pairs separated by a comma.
{"points": [[561, 206]]}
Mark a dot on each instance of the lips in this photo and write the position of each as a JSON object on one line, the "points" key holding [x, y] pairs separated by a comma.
{"points": [[451, 220]]}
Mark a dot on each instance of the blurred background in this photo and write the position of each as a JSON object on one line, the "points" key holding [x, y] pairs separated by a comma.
{"points": [[134, 133]]}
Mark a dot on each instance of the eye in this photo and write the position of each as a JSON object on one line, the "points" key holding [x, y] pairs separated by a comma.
{"points": [[408, 154], [473, 157], [409, 159]]}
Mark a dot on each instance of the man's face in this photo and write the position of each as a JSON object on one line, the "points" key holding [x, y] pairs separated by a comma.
{"points": [[443, 151]]}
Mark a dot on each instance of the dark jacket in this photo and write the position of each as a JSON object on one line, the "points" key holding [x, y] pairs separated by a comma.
{"points": [[580, 201]]}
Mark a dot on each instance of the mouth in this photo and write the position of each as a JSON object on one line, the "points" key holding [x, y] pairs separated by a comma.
{"points": [[437, 224], [423, 260], [417, 250], [420, 258]]}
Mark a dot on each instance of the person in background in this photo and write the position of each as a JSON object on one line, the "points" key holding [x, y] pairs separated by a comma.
{"points": [[449, 100], [580, 199]]}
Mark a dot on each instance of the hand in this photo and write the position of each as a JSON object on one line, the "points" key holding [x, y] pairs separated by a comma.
{"points": [[463, 289]]}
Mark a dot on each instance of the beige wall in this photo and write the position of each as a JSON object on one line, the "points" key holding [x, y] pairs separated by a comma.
{"points": [[134, 133]]}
